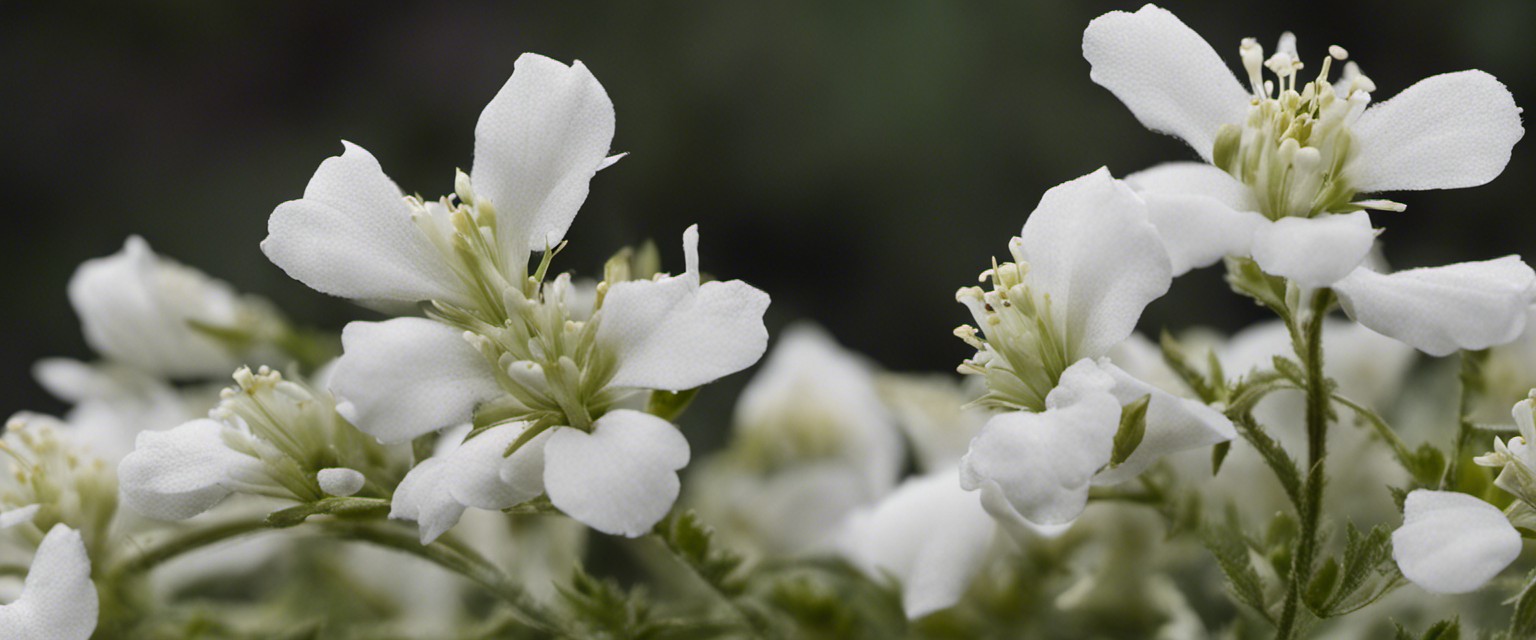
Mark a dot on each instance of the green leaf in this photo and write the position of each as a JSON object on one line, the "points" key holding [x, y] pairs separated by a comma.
{"points": [[1231, 553], [693, 543], [1133, 426], [1290, 369], [1523, 623], [1219, 455], [1321, 586], [1274, 455], [1364, 557]]}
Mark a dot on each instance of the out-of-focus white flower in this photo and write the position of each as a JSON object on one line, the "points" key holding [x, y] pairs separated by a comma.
{"points": [[1288, 158], [114, 402], [139, 308], [937, 414], [58, 601], [268, 437], [930, 534], [812, 441], [53, 478], [538, 143], [1452, 542], [1085, 265]]}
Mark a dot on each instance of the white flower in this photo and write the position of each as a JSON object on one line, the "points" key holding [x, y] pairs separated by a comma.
{"points": [[52, 477], [538, 143], [408, 377], [58, 601], [1288, 158], [269, 436], [620, 478], [812, 441], [1452, 542], [929, 534], [1516, 457], [937, 414], [1086, 264], [114, 402], [138, 308]]}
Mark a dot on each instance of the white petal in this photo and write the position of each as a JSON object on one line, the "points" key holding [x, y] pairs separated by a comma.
{"points": [[674, 334], [474, 475], [1173, 425], [1452, 542], [1194, 179], [58, 601], [1042, 462], [930, 534], [14, 517], [1201, 212], [351, 235], [1469, 305], [135, 307], [1444, 132], [809, 382], [424, 497], [179, 473], [1090, 247], [410, 376], [537, 145], [1170, 78], [621, 478], [1314, 252], [340, 481]]}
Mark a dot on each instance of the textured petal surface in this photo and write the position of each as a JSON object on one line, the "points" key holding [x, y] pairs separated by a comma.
{"points": [[537, 145], [410, 376], [1452, 542], [1314, 252], [1469, 305], [930, 534], [621, 478], [1092, 250], [58, 601], [1169, 77], [423, 496], [179, 473], [1444, 132], [351, 235], [674, 334], [1201, 212], [1173, 425], [1042, 462], [1194, 179], [474, 475], [135, 306]]}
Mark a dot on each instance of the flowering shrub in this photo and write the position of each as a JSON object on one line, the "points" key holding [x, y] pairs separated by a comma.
{"points": [[438, 474]]}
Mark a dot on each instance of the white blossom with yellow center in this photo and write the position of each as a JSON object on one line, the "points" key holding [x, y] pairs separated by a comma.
{"points": [[1287, 158]]}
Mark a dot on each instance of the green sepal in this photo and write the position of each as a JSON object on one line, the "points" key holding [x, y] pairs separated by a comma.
{"points": [[1133, 427]]}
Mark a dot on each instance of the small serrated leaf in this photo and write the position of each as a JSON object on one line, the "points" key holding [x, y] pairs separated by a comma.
{"points": [[1321, 586], [1288, 368], [1219, 455], [1523, 623], [1231, 553]]}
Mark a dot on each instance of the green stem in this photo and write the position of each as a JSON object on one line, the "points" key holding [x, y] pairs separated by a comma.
{"points": [[1310, 349], [459, 559], [1470, 378], [1404, 454], [176, 546]]}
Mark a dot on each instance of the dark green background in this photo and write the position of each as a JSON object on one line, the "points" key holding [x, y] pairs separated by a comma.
{"points": [[857, 160]]}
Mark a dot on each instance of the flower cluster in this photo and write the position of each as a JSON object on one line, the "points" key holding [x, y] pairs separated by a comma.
{"points": [[1060, 488]]}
